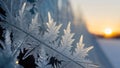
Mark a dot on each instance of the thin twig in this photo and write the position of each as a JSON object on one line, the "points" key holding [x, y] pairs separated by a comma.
{"points": [[18, 47]]}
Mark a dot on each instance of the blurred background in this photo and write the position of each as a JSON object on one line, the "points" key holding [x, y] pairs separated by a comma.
{"points": [[101, 17], [102, 21]]}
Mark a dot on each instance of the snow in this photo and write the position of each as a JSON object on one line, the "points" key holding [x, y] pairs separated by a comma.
{"points": [[111, 47]]}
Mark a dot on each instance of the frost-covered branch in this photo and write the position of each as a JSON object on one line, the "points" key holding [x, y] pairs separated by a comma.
{"points": [[50, 49]]}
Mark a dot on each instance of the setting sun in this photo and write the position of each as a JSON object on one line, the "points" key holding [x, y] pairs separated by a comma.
{"points": [[108, 31]]}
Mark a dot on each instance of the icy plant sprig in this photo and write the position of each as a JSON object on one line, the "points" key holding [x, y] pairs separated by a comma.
{"points": [[50, 40]]}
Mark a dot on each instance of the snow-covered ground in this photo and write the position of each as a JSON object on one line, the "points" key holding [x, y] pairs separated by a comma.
{"points": [[111, 47]]}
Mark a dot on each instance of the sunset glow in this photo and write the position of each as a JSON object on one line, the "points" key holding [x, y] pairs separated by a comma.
{"points": [[101, 17], [108, 31]]}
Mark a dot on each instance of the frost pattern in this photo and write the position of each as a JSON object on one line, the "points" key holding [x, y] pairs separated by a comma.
{"points": [[66, 42], [52, 30], [7, 55], [50, 50]]}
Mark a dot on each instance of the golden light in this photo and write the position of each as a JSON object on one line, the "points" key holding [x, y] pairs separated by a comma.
{"points": [[108, 31], [17, 62]]}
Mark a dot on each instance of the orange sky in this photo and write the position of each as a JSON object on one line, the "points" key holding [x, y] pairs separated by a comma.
{"points": [[99, 14]]}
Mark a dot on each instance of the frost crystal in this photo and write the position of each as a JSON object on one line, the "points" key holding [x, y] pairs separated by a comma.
{"points": [[52, 30], [50, 49]]}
